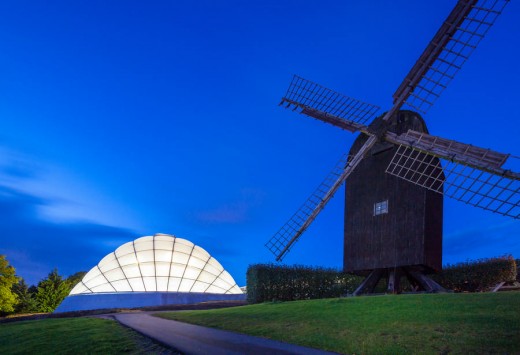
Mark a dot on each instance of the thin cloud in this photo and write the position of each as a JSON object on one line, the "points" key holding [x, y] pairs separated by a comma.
{"points": [[34, 245], [234, 212]]}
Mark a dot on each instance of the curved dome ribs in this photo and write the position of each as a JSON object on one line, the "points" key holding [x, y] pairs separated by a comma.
{"points": [[158, 263]]}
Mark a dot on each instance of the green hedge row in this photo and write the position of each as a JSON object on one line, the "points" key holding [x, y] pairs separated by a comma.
{"points": [[270, 282], [477, 275]]}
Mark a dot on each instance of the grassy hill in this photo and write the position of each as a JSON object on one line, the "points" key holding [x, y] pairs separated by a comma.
{"points": [[73, 336], [430, 323]]}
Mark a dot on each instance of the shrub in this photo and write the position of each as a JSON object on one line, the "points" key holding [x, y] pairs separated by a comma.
{"points": [[477, 275], [269, 282], [8, 298]]}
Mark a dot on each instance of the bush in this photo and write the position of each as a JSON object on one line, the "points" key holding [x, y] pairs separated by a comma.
{"points": [[8, 298], [477, 275], [269, 282]]}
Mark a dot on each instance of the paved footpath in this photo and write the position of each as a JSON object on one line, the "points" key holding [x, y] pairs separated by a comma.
{"points": [[194, 339]]}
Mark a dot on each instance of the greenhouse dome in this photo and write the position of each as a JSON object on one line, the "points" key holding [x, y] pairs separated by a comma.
{"points": [[153, 270]]}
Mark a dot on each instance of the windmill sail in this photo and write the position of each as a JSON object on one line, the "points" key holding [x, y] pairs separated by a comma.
{"points": [[450, 149], [464, 172], [319, 102], [286, 236], [449, 49]]}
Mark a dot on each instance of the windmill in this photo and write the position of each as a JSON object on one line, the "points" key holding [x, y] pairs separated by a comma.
{"points": [[396, 173]]}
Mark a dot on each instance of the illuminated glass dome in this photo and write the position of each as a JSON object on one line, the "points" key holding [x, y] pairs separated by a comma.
{"points": [[159, 263]]}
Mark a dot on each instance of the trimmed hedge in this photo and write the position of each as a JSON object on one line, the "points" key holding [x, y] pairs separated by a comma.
{"points": [[270, 282], [477, 275]]}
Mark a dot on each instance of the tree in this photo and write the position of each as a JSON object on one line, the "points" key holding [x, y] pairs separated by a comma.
{"points": [[75, 278], [26, 297], [8, 278], [51, 291]]}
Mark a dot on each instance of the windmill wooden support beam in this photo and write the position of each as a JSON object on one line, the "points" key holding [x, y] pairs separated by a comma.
{"points": [[417, 279]]}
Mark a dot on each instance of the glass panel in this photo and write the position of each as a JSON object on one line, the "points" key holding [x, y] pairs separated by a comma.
{"points": [[162, 269], [212, 270], [115, 274], [191, 273], [177, 270], [147, 269], [127, 259], [163, 255], [201, 253], [221, 284], [143, 245], [186, 285], [226, 277], [199, 287], [163, 245], [196, 263], [99, 280], [149, 283], [182, 248], [127, 248], [109, 266], [145, 239], [164, 237], [206, 277], [213, 262], [145, 256], [235, 290], [79, 288], [215, 289], [103, 288], [137, 284], [132, 271], [183, 242], [173, 284], [107, 259], [122, 286], [94, 272], [180, 258], [162, 284]]}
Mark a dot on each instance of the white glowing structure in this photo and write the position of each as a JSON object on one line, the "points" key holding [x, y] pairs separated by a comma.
{"points": [[159, 263]]}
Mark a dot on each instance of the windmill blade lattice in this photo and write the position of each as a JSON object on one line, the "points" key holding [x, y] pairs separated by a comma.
{"points": [[313, 99], [492, 189], [449, 49], [290, 232], [450, 149]]}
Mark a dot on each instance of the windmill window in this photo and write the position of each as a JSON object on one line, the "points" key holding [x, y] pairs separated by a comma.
{"points": [[380, 207]]}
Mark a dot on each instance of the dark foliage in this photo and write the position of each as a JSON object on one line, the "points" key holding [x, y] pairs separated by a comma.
{"points": [[477, 275], [269, 282], [26, 299]]}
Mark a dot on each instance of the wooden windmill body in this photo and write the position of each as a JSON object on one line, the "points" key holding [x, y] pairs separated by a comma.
{"points": [[396, 173], [392, 228]]}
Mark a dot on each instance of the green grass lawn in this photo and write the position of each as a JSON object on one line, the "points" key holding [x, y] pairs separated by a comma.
{"points": [[429, 323], [72, 336]]}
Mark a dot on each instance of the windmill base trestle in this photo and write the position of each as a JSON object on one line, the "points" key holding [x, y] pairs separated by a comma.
{"points": [[418, 281]]}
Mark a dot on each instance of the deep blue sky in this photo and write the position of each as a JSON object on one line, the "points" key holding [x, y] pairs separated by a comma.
{"points": [[126, 118]]}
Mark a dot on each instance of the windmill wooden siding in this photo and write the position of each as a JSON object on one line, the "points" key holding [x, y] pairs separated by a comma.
{"points": [[410, 234]]}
